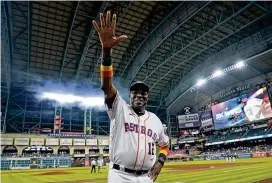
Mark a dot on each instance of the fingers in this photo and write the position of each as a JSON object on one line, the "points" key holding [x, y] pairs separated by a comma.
{"points": [[120, 38], [113, 24], [152, 174], [108, 22], [96, 26], [102, 21], [150, 171]]}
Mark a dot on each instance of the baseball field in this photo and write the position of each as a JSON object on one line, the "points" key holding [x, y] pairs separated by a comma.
{"points": [[214, 171]]}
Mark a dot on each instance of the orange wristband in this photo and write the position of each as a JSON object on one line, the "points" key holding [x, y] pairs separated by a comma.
{"points": [[106, 71]]}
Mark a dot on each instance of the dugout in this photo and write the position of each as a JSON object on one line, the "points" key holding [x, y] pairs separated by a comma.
{"points": [[64, 150], [10, 150], [37, 151]]}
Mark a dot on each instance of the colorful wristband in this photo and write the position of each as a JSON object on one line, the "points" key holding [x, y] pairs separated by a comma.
{"points": [[106, 71], [163, 156]]}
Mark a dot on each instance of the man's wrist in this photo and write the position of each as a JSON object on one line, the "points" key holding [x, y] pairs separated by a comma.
{"points": [[161, 162], [106, 53]]}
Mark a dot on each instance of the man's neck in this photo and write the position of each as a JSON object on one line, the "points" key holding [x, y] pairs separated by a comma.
{"points": [[139, 112]]}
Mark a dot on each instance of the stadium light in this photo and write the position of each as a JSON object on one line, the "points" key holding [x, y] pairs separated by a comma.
{"points": [[70, 98], [201, 82], [240, 64], [218, 73]]}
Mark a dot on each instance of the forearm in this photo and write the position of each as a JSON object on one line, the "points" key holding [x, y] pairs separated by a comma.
{"points": [[106, 71]]}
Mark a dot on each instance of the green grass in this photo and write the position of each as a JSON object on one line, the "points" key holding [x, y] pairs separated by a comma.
{"points": [[216, 171]]}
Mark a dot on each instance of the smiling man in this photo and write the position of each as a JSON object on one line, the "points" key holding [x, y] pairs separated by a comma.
{"points": [[134, 132]]}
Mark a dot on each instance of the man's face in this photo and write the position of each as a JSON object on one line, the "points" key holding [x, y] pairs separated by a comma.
{"points": [[138, 98]]}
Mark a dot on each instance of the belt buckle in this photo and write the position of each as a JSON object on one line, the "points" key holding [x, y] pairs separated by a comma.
{"points": [[122, 168]]}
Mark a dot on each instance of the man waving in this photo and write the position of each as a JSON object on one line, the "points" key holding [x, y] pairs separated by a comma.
{"points": [[134, 132]]}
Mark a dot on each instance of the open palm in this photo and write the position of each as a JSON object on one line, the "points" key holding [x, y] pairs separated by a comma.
{"points": [[106, 31]]}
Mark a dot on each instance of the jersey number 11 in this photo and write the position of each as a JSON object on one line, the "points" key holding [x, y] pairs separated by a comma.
{"points": [[151, 148]]}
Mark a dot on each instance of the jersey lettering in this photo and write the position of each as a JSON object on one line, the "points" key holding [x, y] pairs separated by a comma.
{"points": [[136, 128], [149, 132], [130, 127], [126, 127], [142, 129], [154, 136]]}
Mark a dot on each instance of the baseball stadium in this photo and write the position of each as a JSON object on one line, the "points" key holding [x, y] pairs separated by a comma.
{"points": [[89, 88]]}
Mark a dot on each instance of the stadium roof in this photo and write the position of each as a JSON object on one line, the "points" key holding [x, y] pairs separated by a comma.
{"points": [[170, 45]]}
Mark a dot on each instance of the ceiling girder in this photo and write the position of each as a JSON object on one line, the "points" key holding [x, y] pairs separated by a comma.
{"points": [[208, 45], [68, 36], [167, 27], [89, 31]]}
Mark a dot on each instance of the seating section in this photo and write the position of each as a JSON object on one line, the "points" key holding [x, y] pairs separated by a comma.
{"points": [[270, 131], [235, 135], [256, 132]]}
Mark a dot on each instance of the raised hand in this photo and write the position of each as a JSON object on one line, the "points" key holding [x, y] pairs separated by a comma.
{"points": [[106, 31]]}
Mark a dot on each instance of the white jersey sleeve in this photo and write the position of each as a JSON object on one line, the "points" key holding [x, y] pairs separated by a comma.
{"points": [[117, 107], [163, 137]]}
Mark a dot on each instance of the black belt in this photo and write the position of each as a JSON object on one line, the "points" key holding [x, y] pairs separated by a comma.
{"points": [[137, 172]]}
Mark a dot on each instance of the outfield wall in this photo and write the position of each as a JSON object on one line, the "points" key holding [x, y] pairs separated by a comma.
{"points": [[238, 155], [15, 163]]}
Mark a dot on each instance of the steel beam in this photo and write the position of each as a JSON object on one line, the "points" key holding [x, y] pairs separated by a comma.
{"points": [[168, 26], [204, 50], [68, 35], [8, 12], [251, 47], [87, 121], [247, 60], [29, 33], [195, 40]]}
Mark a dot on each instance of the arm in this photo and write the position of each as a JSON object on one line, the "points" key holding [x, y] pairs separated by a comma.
{"points": [[164, 150], [108, 40], [106, 72]]}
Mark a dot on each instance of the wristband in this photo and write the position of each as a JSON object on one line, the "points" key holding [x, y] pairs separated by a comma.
{"points": [[106, 71], [163, 156], [161, 162]]}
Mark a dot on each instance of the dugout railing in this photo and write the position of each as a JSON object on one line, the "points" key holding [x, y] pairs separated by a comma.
{"points": [[14, 163]]}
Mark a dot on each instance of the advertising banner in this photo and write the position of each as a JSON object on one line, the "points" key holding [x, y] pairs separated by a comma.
{"points": [[259, 154], [46, 130], [21, 141], [188, 120], [244, 155], [174, 141], [243, 109], [205, 118], [67, 142], [91, 142], [87, 163], [103, 142], [6, 141], [79, 142], [270, 154], [189, 125], [52, 142], [198, 158], [37, 141], [214, 156]]}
